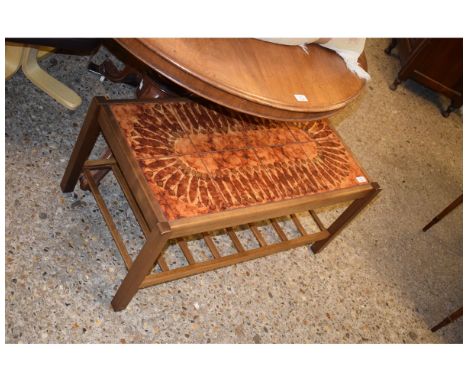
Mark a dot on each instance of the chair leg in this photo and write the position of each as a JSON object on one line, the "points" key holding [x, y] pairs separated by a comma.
{"points": [[83, 147], [454, 316], [54, 88], [445, 212], [451, 108], [142, 266], [13, 58], [346, 217], [390, 47], [395, 84]]}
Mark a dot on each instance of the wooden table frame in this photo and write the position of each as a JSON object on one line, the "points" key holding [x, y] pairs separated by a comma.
{"points": [[158, 230]]}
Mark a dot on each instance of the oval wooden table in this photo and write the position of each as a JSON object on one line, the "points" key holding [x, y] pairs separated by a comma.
{"points": [[252, 76]]}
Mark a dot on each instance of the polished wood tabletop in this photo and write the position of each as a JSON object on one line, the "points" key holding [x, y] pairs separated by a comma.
{"points": [[253, 76]]}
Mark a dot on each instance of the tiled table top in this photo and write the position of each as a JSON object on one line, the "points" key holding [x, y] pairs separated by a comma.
{"points": [[200, 160]]}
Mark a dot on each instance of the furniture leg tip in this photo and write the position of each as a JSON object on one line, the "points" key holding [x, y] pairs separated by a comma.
{"points": [[445, 113], [315, 251], [117, 308], [66, 189]]}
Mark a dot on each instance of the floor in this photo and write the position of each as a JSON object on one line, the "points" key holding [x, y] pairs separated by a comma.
{"points": [[382, 281]]}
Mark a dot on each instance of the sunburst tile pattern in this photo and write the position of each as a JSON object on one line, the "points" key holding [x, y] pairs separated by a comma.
{"points": [[204, 159]]}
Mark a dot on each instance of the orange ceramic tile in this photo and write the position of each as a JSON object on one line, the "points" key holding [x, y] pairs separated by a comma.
{"points": [[268, 155], [153, 131], [310, 149], [195, 159], [209, 119], [269, 137], [283, 154], [242, 187], [294, 151], [227, 160], [182, 186], [202, 142], [219, 142], [299, 131], [183, 146], [194, 163]]}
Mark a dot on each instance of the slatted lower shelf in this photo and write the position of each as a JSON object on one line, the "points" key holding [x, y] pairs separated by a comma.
{"points": [[218, 260], [224, 261]]}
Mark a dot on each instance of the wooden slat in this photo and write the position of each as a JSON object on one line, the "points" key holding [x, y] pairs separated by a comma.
{"points": [[317, 220], [235, 240], [186, 250], [298, 224], [211, 245], [108, 219], [278, 230], [99, 169], [258, 235], [99, 163], [189, 270], [162, 263]]}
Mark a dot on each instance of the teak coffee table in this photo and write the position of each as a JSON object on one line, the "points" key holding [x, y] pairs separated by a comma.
{"points": [[191, 168]]}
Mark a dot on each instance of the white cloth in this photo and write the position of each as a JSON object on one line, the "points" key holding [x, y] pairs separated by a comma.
{"points": [[349, 49]]}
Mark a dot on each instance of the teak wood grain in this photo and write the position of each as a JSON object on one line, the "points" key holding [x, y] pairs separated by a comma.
{"points": [[253, 76]]}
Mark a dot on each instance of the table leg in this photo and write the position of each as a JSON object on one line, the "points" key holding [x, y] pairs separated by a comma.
{"points": [[391, 46], [83, 147], [454, 316], [445, 212], [127, 75], [146, 86], [142, 266], [345, 218]]}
